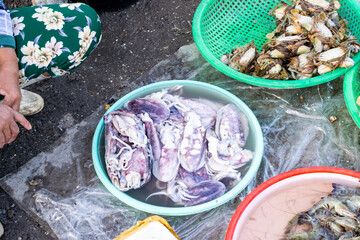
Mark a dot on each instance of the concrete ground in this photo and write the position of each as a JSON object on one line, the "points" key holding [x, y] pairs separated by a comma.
{"points": [[135, 38]]}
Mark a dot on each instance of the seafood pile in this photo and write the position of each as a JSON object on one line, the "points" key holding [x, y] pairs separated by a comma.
{"points": [[310, 39], [336, 216], [195, 146]]}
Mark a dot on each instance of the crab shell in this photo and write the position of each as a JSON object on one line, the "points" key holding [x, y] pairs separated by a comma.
{"points": [[332, 56], [316, 5]]}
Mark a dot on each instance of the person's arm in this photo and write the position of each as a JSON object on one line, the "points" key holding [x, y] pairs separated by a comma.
{"points": [[9, 70], [9, 78], [9, 82]]}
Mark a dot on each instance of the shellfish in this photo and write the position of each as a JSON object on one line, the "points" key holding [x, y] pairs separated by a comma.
{"points": [[303, 26]]}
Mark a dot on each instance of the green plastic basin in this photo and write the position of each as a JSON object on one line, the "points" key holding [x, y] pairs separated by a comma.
{"points": [[191, 89], [352, 92], [221, 25]]}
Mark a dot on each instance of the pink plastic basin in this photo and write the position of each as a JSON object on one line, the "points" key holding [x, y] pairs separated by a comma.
{"points": [[266, 211]]}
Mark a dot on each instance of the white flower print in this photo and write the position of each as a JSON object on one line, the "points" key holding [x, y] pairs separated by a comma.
{"points": [[41, 13], [18, 25], [54, 20], [30, 52], [58, 72], [71, 6], [86, 37], [76, 59], [44, 57], [54, 46]]}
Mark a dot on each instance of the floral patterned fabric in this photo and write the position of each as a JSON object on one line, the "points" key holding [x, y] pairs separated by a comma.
{"points": [[2, 5], [53, 38], [6, 33]]}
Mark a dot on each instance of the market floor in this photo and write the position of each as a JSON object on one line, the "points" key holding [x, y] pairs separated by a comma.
{"points": [[135, 38]]}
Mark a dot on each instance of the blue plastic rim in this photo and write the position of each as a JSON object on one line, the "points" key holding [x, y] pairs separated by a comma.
{"points": [[255, 142]]}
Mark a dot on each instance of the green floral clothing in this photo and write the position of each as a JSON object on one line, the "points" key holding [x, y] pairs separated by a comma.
{"points": [[53, 38]]}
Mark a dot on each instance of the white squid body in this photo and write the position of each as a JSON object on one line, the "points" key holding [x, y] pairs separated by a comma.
{"points": [[205, 109], [192, 146], [126, 157], [129, 125], [231, 124], [166, 168]]}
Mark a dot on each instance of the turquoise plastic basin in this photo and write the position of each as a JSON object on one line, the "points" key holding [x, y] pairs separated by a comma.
{"points": [[191, 89]]}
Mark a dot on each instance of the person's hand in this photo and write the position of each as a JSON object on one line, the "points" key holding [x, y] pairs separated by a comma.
{"points": [[8, 126], [9, 78]]}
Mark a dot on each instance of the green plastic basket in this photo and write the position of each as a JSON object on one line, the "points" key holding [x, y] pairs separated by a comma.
{"points": [[352, 92], [221, 25]]}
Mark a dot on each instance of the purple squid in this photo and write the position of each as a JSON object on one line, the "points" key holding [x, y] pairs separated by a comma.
{"points": [[192, 146], [231, 124], [157, 109], [127, 162]]}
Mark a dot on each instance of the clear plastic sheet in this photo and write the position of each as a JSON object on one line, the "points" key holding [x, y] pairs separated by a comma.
{"points": [[297, 133]]}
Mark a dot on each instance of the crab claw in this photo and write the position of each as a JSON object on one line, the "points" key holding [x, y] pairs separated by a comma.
{"points": [[156, 108], [231, 124], [202, 192]]}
